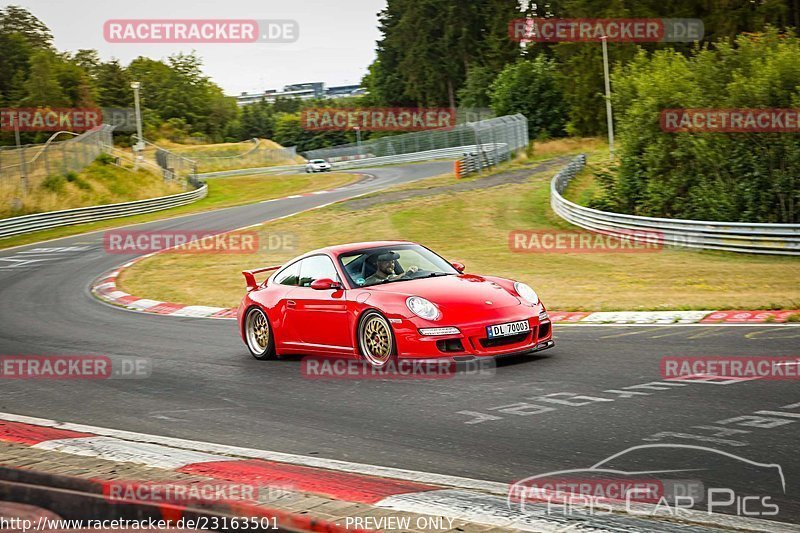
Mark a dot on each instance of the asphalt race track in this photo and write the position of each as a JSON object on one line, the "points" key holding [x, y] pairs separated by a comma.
{"points": [[583, 401]]}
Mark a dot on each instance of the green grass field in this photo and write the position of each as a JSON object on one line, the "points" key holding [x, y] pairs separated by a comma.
{"points": [[473, 227]]}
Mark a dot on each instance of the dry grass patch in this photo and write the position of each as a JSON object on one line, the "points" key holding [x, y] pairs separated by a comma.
{"points": [[473, 227]]}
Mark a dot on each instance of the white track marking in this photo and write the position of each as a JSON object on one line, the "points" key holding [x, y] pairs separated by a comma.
{"points": [[318, 462], [490, 509], [647, 317], [124, 451], [198, 311], [144, 304], [698, 325]]}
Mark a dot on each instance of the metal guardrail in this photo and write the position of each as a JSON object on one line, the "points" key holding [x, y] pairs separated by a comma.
{"points": [[776, 239], [476, 161], [39, 221]]}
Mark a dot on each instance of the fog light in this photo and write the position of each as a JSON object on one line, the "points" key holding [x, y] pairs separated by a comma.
{"points": [[439, 331], [543, 316]]}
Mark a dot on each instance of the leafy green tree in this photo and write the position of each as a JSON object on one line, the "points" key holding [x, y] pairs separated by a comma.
{"points": [[747, 177], [42, 84], [428, 46], [16, 19], [529, 87], [15, 51], [475, 92], [113, 85]]}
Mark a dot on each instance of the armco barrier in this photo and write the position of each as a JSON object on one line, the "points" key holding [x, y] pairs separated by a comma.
{"points": [[777, 239], [53, 219]]}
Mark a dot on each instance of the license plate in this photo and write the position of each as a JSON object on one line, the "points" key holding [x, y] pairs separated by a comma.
{"points": [[509, 328]]}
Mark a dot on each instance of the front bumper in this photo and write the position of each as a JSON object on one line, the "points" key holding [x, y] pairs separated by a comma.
{"points": [[473, 339]]}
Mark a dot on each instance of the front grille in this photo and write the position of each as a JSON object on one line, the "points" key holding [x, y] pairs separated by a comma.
{"points": [[503, 341]]}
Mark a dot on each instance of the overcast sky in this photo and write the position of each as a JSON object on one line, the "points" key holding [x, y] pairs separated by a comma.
{"points": [[336, 44]]}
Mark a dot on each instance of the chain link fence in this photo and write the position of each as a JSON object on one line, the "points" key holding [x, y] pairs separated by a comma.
{"points": [[171, 166], [509, 132], [25, 167]]}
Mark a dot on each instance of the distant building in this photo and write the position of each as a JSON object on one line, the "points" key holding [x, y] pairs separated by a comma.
{"points": [[303, 91], [342, 90]]}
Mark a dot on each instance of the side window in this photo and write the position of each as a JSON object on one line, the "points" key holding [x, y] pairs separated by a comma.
{"points": [[316, 267], [289, 275]]}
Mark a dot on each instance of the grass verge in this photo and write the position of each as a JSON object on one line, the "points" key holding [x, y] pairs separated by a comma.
{"points": [[99, 183], [231, 156], [473, 227], [222, 192]]}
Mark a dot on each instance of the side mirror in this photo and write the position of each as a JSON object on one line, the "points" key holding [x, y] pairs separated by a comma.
{"points": [[324, 284], [458, 266]]}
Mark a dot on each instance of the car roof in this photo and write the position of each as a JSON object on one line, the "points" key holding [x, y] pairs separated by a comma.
{"points": [[353, 246]]}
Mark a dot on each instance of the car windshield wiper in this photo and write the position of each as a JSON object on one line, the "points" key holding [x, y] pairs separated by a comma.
{"points": [[436, 274], [387, 280]]}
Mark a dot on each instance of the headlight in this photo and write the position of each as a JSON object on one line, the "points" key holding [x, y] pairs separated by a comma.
{"points": [[526, 292], [422, 308]]}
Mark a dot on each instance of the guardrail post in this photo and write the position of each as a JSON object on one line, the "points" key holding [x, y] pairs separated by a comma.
{"points": [[64, 167], [23, 169], [46, 161]]}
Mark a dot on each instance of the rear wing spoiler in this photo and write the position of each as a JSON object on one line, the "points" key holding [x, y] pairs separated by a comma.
{"points": [[250, 276]]}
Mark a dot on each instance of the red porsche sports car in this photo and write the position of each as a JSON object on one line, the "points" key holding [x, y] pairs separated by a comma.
{"points": [[379, 301]]}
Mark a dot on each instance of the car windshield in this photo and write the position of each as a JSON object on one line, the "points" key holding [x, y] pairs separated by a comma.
{"points": [[388, 264], [317, 161]]}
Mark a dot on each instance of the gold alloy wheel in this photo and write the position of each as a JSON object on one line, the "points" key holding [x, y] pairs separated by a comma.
{"points": [[376, 340], [257, 329]]}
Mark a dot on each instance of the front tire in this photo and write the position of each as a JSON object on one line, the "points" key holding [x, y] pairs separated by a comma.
{"points": [[258, 334], [376, 339]]}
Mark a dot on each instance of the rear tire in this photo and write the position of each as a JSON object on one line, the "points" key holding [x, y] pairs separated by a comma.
{"points": [[258, 334], [376, 339]]}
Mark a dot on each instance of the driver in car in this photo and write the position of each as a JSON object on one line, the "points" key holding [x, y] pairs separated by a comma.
{"points": [[384, 268]]}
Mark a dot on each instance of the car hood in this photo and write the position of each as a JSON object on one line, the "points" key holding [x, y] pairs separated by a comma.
{"points": [[465, 292]]}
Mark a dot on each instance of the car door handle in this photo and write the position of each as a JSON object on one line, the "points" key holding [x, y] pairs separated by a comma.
{"points": [[291, 303]]}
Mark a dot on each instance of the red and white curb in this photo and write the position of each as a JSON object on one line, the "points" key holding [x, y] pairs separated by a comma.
{"points": [[106, 289], [476, 501]]}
